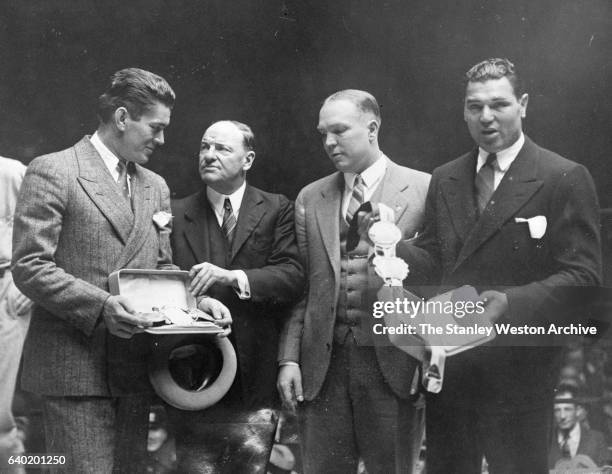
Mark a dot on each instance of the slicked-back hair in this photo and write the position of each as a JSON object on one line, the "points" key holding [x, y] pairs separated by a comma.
{"points": [[364, 101], [135, 89], [247, 134], [496, 68]]}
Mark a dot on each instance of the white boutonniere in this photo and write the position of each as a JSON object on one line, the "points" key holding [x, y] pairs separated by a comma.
{"points": [[537, 225], [162, 220]]}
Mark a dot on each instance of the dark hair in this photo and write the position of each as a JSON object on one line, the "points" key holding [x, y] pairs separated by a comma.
{"points": [[247, 134], [365, 101], [136, 90], [495, 68]]}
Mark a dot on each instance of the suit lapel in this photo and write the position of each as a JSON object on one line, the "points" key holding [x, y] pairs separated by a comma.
{"points": [[143, 204], [518, 185], [392, 190], [196, 232], [327, 212], [251, 212], [99, 185]]}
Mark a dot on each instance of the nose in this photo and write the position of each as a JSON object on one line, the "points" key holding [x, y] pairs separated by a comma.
{"points": [[329, 140], [159, 137], [486, 115]]}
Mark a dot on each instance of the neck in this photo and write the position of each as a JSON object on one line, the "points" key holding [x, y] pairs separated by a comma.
{"points": [[110, 140], [226, 188]]}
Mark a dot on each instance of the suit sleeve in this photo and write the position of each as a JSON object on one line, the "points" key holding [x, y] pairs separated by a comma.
{"points": [[291, 333], [38, 223], [575, 243], [423, 253], [281, 280]]}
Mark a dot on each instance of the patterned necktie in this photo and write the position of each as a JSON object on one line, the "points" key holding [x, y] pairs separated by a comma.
{"points": [[229, 221], [356, 198], [565, 448], [485, 182], [122, 180]]}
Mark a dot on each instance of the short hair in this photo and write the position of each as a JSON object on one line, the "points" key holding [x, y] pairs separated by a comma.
{"points": [[364, 101], [572, 391], [495, 68], [135, 89]]}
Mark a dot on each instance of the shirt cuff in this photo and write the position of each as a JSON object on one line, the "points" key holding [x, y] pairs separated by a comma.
{"points": [[288, 362], [244, 289]]}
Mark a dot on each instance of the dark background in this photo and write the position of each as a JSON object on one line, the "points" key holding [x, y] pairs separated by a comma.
{"points": [[270, 63]]}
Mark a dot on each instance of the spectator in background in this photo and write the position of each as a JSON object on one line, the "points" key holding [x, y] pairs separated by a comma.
{"points": [[160, 445], [572, 438], [14, 313]]}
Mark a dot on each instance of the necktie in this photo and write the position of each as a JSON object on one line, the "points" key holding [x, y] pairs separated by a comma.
{"points": [[122, 180], [485, 182], [565, 449], [229, 221], [356, 198]]}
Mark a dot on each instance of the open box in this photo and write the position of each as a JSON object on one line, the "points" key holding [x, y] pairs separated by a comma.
{"points": [[149, 289]]}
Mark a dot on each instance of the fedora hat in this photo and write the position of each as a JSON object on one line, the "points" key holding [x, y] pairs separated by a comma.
{"points": [[192, 371]]}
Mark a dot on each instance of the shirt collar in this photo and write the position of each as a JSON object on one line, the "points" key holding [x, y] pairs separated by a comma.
{"points": [[504, 157], [574, 434], [217, 199], [371, 175], [109, 158]]}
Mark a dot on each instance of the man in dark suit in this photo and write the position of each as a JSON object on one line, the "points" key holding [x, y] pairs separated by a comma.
{"points": [[358, 400], [238, 243], [83, 213], [571, 437], [521, 224]]}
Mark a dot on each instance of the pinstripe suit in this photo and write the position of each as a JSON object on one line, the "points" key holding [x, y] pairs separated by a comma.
{"points": [[72, 228]]}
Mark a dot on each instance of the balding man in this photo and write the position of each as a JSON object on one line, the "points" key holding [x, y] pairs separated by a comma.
{"points": [[239, 245]]}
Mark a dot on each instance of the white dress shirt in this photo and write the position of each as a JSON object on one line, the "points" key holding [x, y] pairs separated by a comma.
{"points": [[371, 176], [216, 201], [504, 159], [110, 159], [572, 441]]}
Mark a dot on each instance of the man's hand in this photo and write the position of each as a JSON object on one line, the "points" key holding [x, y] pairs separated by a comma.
{"points": [[204, 275], [121, 318], [495, 303], [289, 385], [219, 312]]}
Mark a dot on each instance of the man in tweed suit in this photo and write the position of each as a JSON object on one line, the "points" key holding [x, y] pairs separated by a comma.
{"points": [[83, 213], [357, 397]]}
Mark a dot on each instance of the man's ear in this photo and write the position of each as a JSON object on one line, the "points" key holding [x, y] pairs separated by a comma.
{"points": [[121, 117], [524, 99], [249, 158], [373, 127]]}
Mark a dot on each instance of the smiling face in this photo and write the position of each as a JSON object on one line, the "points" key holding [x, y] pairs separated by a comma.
{"points": [[494, 114], [224, 159], [138, 139], [349, 135]]}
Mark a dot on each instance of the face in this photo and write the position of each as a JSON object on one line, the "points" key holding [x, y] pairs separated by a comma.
{"points": [[224, 159], [494, 114], [566, 415], [140, 138], [349, 135]]}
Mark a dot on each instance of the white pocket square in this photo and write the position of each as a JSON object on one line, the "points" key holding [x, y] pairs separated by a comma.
{"points": [[162, 219], [537, 225]]}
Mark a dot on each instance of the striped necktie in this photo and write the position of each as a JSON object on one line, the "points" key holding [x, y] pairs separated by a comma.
{"points": [[485, 182], [229, 221], [356, 198], [122, 179]]}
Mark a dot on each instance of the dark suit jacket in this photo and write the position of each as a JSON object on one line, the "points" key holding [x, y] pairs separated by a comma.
{"points": [[72, 228], [264, 248], [591, 444], [307, 337], [537, 275]]}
